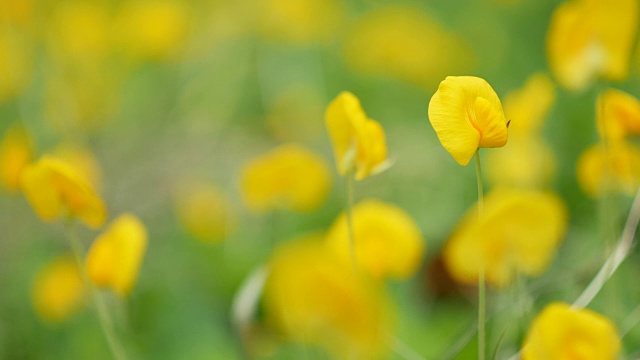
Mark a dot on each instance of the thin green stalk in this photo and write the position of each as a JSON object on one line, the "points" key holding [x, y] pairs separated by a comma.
{"points": [[104, 319], [349, 212], [481, 280]]}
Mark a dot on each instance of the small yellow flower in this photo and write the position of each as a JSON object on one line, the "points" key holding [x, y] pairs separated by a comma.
{"points": [[313, 297], [359, 143], [562, 332], [204, 212], [618, 115], [403, 42], [387, 242], [16, 152], [114, 259], [591, 39], [153, 30], [467, 114], [58, 290], [55, 188], [288, 177], [83, 160], [518, 232], [609, 168]]}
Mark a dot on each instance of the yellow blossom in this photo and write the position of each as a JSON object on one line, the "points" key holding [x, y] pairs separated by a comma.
{"points": [[55, 188], [618, 115], [518, 232], [359, 143], [288, 177], [16, 152], [153, 30], [467, 114], [562, 332], [403, 42], [299, 21], [387, 241], [591, 39], [114, 259], [204, 211], [83, 160], [609, 168], [58, 290], [313, 297]]}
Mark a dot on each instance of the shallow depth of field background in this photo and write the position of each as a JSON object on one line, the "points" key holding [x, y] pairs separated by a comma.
{"points": [[207, 86]]}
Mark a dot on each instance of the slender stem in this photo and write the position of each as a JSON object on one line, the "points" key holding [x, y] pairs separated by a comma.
{"points": [[352, 245], [481, 276], [105, 321]]}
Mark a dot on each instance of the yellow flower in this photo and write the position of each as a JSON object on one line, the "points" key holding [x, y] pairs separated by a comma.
{"points": [[518, 231], [612, 168], [618, 115], [114, 259], [590, 39], [58, 290], [313, 297], [387, 242], [562, 332], [204, 212], [83, 160], [288, 177], [403, 42], [16, 152], [55, 188], [299, 21], [154, 30], [358, 142], [528, 107], [467, 114]]}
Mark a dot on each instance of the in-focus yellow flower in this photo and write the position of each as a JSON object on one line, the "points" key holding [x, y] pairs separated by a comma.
{"points": [[83, 160], [114, 259], [204, 212], [58, 290], [359, 143], [16, 64], [387, 242], [299, 21], [529, 106], [55, 188], [618, 115], [517, 232], [563, 332], [609, 168], [591, 39], [153, 30], [467, 114], [16, 152], [403, 42], [288, 177], [313, 297]]}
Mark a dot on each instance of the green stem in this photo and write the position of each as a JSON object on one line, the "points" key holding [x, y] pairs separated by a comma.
{"points": [[481, 280], [352, 245], [106, 324]]}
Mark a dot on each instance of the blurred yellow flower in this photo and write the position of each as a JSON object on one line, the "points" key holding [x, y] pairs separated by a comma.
{"points": [[313, 297], [83, 160], [563, 332], [528, 107], [16, 64], [403, 42], [114, 259], [153, 30], [288, 177], [55, 188], [16, 152], [591, 39], [359, 143], [467, 114], [204, 211], [58, 290], [299, 21], [609, 168], [618, 115], [387, 241], [518, 232]]}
